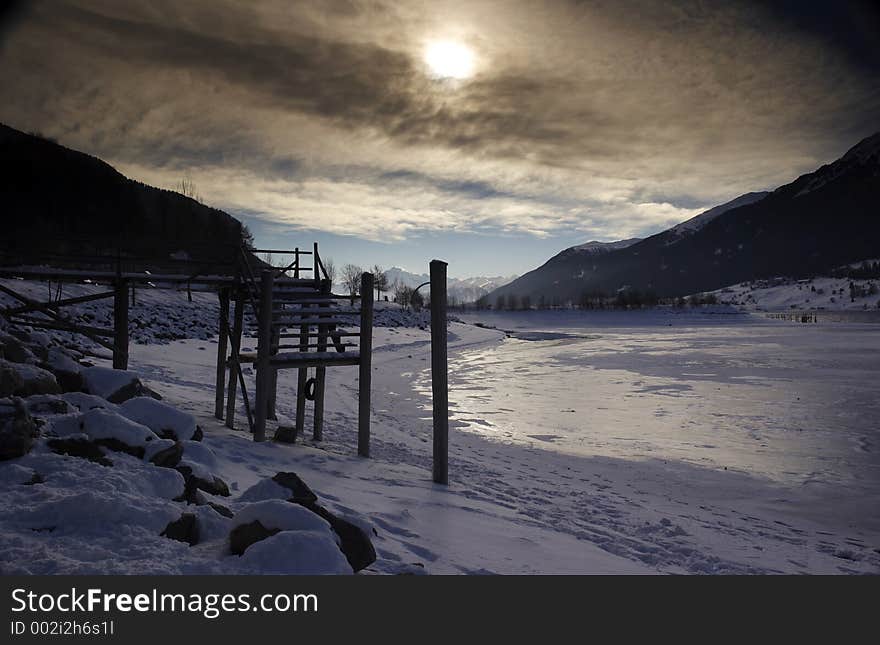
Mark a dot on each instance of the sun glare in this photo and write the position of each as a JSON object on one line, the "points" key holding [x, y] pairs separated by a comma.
{"points": [[447, 59]]}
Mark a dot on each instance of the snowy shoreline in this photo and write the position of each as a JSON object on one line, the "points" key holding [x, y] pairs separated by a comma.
{"points": [[513, 505]]}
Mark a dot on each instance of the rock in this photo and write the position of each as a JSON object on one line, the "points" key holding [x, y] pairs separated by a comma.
{"points": [[285, 434], [354, 542], [78, 447], [17, 429], [34, 380], [300, 492], [183, 529], [194, 482], [168, 457], [222, 510], [242, 536], [37, 478], [10, 380], [47, 404], [198, 435], [119, 433], [117, 386], [165, 420], [67, 371], [15, 350]]}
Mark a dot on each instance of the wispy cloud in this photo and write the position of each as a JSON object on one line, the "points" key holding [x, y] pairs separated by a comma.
{"points": [[611, 119]]}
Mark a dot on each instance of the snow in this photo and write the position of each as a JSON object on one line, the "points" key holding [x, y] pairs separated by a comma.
{"points": [[159, 417], [671, 441], [105, 381], [297, 553], [815, 294], [279, 514], [106, 424]]}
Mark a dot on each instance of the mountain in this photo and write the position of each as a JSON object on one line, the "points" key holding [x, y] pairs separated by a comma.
{"points": [[603, 247], [57, 201], [457, 289], [819, 221]]}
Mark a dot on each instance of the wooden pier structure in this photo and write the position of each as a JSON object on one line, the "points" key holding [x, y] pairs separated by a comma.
{"points": [[301, 325]]}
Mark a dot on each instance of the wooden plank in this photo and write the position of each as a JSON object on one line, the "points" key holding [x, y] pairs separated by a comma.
{"points": [[301, 380], [314, 359], [56, 304], [365, 373]]}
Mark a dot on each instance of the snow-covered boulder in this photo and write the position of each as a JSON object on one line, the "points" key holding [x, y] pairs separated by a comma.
{"points": [[354, 540], [116, 386], [85, 402], [17, 429], [42, 405], [117, 432], [165, 453], [183, 529], [33, 379], [15, 350], [197, 478], [261, 520], [296, 553], [284, 486], [67, 371], [166, 421]]}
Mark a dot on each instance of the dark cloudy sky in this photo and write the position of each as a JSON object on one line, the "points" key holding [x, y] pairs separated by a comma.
{"points": [[599, 119]]}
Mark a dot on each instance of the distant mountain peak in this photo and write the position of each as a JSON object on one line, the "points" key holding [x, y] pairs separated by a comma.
{"points": [[602, 247], [866, 150]]}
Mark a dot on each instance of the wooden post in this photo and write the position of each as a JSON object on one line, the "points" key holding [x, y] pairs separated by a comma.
{"points": [[120, 325], [365, 377], [302, 378], [235, 342], [264, 354], [222, 337], [320, 371], [439, 376], [273, 376], [133, 303]]}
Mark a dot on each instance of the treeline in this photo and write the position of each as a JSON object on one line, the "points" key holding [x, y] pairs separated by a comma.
{"points": [[592, 300], [865, 271]]}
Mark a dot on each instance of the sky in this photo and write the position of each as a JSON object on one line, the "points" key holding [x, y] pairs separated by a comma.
{"points": [[491, 134]]}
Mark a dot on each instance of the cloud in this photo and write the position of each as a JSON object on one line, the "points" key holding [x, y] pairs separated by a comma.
{"points": [[607, 118]]}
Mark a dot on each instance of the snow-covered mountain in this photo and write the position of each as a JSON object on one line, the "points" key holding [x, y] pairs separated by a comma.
{"points": [[604, 247], [805, 228], [694, 224], [458, 289]]}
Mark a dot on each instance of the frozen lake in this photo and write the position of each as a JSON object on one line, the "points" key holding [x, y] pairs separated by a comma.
{"points": [[793, 403]]}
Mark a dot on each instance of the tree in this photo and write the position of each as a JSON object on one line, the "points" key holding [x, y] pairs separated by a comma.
{"points": [[330, 270], [187, 187], [402, 294], [351, 278], [247, 238], [380, 280]]}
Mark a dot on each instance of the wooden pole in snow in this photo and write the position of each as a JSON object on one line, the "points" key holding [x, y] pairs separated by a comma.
{"points": [[223, 335], [365, 377], [439, 376], [264, 354], [120, 325]]}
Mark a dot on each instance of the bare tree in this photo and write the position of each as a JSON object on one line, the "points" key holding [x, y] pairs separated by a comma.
{"points": [[330, 270], [187, 187], [402, 294], [351, 278], [380, 280]]}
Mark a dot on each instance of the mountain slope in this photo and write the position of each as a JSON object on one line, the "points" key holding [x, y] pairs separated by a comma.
{"points": [[819, 221], [60, 201]]}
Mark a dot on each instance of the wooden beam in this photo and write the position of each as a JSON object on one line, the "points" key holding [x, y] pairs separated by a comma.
{"points": [[365, 373]]}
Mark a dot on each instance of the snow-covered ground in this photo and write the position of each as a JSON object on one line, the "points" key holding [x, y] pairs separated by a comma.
{"points": [[820, 293], [630, 442]]}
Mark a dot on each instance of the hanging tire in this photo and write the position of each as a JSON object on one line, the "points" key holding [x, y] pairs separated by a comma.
{"points": [[311, 389]]}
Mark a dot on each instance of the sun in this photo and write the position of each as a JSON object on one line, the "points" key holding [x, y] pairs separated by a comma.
{"points": [[449, 59]]}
